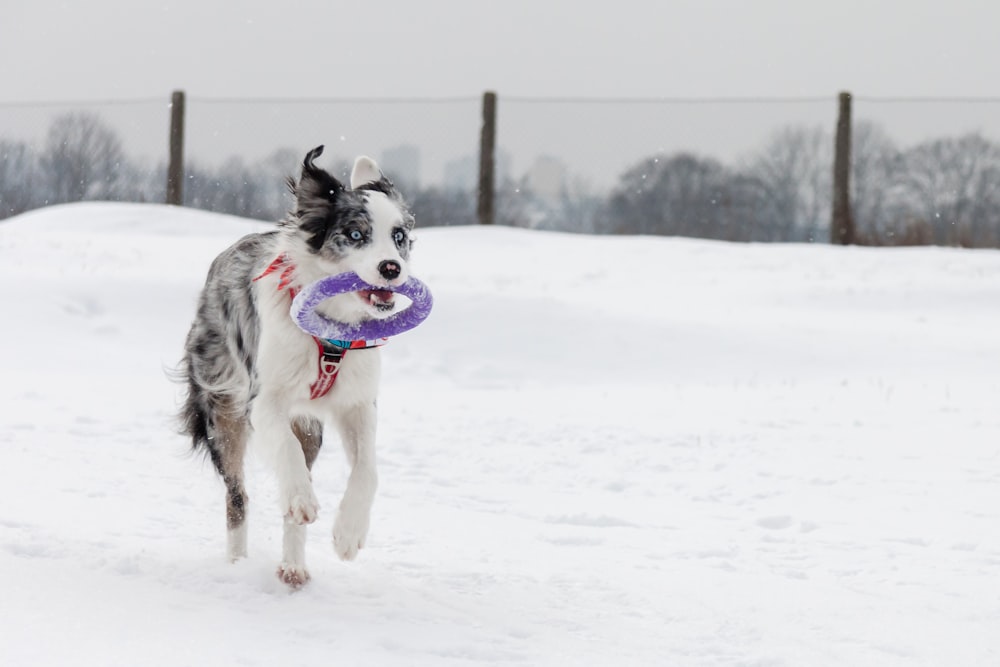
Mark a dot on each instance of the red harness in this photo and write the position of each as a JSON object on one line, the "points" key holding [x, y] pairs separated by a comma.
{"points": [[330, 356]]}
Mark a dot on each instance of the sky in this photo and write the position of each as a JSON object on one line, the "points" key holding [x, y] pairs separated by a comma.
{"points": [[115, 49], [121, 48]]}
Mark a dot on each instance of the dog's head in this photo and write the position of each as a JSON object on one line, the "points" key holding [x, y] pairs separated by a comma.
{"points": [[364, 228]]}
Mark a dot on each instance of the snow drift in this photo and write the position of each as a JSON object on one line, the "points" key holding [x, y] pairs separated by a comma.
{"points": [[596, 451]]}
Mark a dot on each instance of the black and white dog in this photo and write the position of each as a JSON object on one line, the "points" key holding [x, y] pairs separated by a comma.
{"points": [[252, 375]]}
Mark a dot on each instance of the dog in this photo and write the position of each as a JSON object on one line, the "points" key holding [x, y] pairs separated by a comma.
{"points": [[253, 376]]}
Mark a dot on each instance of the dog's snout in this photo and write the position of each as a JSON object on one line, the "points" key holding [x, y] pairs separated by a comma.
{"points": [[389, 269]]}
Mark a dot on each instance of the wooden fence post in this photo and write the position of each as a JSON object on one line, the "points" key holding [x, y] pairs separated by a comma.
{"points": [[487, 159], [175, 169], [842, 222]]}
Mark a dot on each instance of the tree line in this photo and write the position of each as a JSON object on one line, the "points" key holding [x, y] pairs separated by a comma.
{"points": [[939, 192], [942, 191]]}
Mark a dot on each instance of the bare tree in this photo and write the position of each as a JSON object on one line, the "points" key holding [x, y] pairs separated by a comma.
{"points": [[515, 203], [438, 207], [953, 185], [875, 165], [19, 178], [682, 194], [793, 181], [579, 209], [82, 159], [272, 174], [231, 189]]}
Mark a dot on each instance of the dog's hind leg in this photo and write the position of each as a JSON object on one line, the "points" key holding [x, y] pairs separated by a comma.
{"points": [[357, 432], [292, 571], [228, 450]]}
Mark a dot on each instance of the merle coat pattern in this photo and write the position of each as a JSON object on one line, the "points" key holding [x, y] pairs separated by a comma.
{"points": [[248, 368]]}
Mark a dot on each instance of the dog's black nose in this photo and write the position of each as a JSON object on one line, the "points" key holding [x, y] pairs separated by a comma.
{"points": [[389, 269]]}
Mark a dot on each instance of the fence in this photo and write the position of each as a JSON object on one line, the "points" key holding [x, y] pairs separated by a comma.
{"points": [[910, 171]]}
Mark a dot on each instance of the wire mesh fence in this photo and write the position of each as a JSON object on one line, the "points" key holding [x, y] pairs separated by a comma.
{"points": [[923, 170]]}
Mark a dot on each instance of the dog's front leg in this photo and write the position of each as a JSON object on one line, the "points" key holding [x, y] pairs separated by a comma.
{"points": [[278, 445], [357, 432]]}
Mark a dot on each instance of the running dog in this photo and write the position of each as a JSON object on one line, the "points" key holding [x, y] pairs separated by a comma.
{"points": [[253, 376]]}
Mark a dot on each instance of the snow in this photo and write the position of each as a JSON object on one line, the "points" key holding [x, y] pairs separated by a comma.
{"points": [[596, 451]]}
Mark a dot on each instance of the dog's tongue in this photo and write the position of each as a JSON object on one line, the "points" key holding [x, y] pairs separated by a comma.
{"points": [[380, 295]]}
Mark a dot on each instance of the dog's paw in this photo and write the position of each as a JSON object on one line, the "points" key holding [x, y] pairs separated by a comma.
{"points": [[350, 531], [302, 506], [294, 576]]}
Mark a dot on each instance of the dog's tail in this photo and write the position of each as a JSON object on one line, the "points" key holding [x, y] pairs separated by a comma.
{"points": [[198, 422], [196, 417]]}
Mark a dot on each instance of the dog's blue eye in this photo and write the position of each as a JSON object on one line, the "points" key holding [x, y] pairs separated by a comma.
{"points": [[398, 236], [356, 235]]}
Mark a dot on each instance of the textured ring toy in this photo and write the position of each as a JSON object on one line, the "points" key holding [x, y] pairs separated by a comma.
{"points": [[304, 312]]}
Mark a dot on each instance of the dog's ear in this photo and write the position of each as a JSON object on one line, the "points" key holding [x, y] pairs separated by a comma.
{"points": [[365, 171], [367, 176], [316, 189], [315, 192]]}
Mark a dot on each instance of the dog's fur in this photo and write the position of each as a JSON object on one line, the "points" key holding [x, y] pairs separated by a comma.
{"points": [[248, 368]]}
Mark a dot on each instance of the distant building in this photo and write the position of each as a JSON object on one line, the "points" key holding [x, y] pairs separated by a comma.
{"points": [[402, 165], [461, 173], [547, 177]]}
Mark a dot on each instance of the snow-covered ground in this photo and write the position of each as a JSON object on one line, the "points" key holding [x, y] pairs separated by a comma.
{"points": [[597, 451]]}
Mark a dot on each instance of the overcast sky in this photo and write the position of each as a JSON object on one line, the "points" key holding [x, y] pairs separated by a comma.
{"points": [[109, 49]]}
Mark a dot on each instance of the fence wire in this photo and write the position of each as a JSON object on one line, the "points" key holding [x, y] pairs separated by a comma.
{"points": [[924, 169]]}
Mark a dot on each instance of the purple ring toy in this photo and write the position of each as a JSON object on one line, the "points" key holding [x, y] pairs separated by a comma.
{"points": [[304, 305]]}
